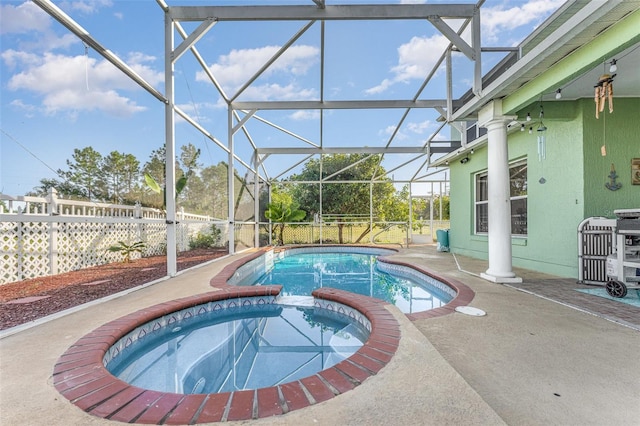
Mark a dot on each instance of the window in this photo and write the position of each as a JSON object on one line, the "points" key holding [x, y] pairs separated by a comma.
{"points": [[518, 194]]}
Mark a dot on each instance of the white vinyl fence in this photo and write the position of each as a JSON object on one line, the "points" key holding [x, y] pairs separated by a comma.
{"points": [[46, 235]]}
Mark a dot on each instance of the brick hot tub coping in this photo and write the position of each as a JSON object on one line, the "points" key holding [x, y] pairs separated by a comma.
{"points": [[81, 377]]}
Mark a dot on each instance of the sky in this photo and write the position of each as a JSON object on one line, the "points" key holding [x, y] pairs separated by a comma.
{"points": [[57, 95]]}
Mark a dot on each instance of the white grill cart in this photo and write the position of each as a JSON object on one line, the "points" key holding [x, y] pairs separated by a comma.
{"points": [[623, 267]]}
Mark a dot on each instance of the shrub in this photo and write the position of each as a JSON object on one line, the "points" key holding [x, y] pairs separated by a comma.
{"points": [[210, 239]]}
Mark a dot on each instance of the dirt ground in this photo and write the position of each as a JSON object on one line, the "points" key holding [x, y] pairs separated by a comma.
{"points": [[74, 288]]}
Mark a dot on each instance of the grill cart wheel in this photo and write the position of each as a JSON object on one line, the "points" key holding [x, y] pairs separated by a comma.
{"points": [[616, 288]]}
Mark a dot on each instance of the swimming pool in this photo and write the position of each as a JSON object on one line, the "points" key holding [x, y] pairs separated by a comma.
{"points": [[235, 348], [81, 377], [353, 269]]}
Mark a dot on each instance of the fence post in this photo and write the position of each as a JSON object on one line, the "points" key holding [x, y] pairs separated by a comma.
{"points": [[52, 200], [20, 252]]}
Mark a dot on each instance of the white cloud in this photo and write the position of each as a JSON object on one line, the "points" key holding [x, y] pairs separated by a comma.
{"points": [[303, 115], [415, 60], [76, 83], [86, 6], [196, 111], [274, 91], [23, 18], [383, 86], [498, 21], [72, 101], [417, 57], [34, 27], [419, 128], [388, 131], [235, 69]]}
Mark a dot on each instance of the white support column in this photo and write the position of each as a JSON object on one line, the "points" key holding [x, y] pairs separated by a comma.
{"points": [[431, 212], [52, 199], [410, 239], [231, 186], [170, 149], [256, 201], [500, 262], [371, 212], [320, 203]]}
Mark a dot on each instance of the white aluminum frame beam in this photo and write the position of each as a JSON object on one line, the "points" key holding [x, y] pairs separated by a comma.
{"points": [[328, 13], [362, 104], [362, 150]]}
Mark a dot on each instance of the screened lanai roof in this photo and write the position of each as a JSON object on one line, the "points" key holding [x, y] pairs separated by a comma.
{"points": [[308, 90], [304, 88]]}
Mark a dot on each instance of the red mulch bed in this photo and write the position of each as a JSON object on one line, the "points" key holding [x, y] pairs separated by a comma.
{"points": [[70, 289]]}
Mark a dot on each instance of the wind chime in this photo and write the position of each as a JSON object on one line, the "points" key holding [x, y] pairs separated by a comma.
{"points": [[604, 92], [542, 137]]}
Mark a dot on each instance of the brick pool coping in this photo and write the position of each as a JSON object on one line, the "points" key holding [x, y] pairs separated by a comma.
{"points": [[80, 376]]}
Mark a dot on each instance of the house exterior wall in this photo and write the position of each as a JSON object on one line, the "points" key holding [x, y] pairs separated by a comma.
{"points": [[621, 133], [575, 174]]}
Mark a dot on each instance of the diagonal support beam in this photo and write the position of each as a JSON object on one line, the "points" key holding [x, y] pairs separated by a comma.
{"points": [[453, 37], [192, 39], [244, 119]]}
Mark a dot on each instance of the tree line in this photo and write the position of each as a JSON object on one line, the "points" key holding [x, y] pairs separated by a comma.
{"points": [[119, 178]]}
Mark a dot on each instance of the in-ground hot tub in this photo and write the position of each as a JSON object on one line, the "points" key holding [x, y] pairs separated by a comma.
{"points": [[224, 346], [81, 376]]}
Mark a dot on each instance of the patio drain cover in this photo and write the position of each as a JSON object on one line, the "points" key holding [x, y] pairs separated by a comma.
{"points": [[469, 310]]}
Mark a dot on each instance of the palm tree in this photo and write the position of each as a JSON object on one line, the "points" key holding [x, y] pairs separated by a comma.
{"points": [[282, 213]]}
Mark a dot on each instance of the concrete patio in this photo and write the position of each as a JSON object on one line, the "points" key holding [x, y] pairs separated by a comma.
{"points": [[543, 354]]}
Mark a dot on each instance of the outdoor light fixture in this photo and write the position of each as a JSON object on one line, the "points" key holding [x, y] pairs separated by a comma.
{"points": [[528, 117], [559, 94], [472, 151], [522, 127], [530, 130], [614, 66]]}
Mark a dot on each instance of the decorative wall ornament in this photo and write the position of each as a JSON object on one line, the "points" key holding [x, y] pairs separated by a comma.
{"points": [[604, 92], [635, 171], [613, 185]]}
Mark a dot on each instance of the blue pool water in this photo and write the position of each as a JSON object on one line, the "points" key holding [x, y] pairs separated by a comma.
{"points": [[239, 348], [301, 273]]}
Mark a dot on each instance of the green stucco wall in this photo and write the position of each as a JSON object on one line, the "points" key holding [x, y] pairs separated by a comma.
{"points": [[575, 175], [621, 132]]}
